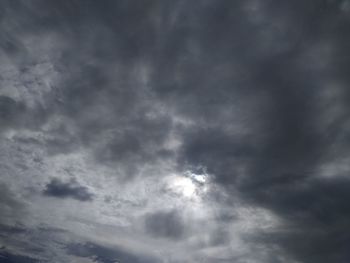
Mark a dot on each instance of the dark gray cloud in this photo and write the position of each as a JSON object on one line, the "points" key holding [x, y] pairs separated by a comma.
{"points": [[10, 230], [103, 254], [57, 188], [6, 257], [256, 92], [23, 243], [165, 224], [12, 208], [10, 110], [316, 213], [276, 163]]}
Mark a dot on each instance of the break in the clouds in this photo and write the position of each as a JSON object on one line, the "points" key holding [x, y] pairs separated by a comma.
{"points": [[174, 131]]}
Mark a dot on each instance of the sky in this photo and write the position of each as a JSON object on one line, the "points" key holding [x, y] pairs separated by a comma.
{"points": [[137, 131]]}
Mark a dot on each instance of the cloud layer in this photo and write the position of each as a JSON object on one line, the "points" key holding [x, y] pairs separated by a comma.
{"points": [[174, 131]]}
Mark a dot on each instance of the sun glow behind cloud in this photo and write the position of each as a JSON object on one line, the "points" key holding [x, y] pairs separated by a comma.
{"points": [[183, 186], [189, 185]]}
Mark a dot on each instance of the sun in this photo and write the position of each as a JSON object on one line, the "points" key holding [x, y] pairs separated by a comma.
{"points": [[188, 185], [184, 186]]}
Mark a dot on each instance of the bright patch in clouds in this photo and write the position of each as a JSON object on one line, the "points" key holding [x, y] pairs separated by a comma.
{"points": [[184, 186], [188, 185], [199, 178]]}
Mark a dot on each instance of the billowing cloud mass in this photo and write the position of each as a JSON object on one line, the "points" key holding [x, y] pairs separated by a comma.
{"points": [[174, 131]]}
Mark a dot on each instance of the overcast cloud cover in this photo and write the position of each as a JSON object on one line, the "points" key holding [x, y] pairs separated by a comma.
{"points": [[174, 131]]}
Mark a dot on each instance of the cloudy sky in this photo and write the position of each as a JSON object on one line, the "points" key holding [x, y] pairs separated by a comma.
{"points": [[174, 131]]}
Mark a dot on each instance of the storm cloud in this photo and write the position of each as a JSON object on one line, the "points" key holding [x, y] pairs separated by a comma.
{"points": [[71, 189], [104, 254], [174, 131]]}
